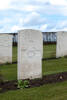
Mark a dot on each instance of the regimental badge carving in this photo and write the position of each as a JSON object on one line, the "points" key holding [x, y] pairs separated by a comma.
{"points": [[33, 52]]}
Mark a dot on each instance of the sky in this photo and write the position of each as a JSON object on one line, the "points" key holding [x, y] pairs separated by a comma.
{"points": [[43, 15]]}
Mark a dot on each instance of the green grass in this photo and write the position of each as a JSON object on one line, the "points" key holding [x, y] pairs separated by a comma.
{"points": [[14, 54], [57, 91], [49, 51], [54, 66], [9, 71]]}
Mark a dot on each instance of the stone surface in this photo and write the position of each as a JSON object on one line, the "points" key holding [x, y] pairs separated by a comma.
{"points": [[30, 52], [61, 49], [5, 48]]}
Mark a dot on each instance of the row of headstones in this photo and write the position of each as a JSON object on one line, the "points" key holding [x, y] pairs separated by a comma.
{"points": [[30, 51]]}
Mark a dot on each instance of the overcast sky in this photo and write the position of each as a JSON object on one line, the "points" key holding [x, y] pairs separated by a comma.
{"points": [[45, 15]]}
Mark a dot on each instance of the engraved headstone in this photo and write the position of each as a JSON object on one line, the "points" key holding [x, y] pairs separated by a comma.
{"points": [[30, 52], [61, 49], [5, 48]]}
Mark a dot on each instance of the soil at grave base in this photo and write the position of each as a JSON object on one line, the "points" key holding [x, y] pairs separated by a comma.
{"points": [[53, 78]]}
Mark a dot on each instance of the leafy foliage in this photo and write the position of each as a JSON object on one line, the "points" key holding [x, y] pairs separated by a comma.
{"points": [[23, 84]]}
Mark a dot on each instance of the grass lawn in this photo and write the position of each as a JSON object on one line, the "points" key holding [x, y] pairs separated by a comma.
{"points": [[49, 51], [14, 54], [56, 91]]}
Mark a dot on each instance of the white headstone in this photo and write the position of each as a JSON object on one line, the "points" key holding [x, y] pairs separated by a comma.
{"points": [[61, 49], [5, 48], [30, 52]]}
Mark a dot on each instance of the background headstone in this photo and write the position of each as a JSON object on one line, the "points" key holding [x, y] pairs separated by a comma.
{"points": [[61, 49], [30, 52], [5, 48]]}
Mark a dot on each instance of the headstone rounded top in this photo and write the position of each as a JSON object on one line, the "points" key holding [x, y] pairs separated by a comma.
{"points": [[29, 30]]}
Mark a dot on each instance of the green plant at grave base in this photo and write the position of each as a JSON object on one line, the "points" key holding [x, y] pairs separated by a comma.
{"points": [[26, 83], [20, 84], [23, 84]]}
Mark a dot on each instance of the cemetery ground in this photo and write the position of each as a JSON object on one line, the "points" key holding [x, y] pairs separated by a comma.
{"points": [[55, 86]]}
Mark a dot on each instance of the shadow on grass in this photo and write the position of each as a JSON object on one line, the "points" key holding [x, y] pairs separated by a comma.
{"points": [[9, 63], [52, 58]]}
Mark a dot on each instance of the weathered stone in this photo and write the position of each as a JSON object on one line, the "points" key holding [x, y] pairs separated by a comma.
{"points": [[5, 48], [61, 49], [30, 52]]}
